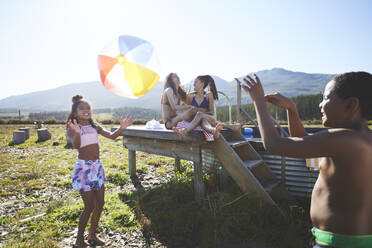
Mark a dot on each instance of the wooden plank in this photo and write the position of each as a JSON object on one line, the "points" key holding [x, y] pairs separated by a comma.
{"points": [[142, 132], [237, 143], [243, 176], [198, 175], [177, 164], [250, 164], [167, 143], [175, 149], [132, 162]]}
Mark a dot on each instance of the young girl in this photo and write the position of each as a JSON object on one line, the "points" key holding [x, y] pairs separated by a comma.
{"points": [[341, 202], [204, 104], [170, 102], [89, 176]]}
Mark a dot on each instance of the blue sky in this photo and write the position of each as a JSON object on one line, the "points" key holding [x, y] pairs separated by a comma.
{"points": [[48, 43]]}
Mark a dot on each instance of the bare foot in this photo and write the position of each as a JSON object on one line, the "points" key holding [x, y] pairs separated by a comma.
{"points": [[95, 241], [218, 129], [80, 244], [237, 127], [180, 132]]}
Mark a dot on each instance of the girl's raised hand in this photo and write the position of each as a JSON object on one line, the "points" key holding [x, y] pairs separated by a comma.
{"points": [[124, 123], [280, 101], [73, 126], [253, 87]]}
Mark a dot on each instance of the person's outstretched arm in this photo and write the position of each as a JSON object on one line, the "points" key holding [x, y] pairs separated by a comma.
{"points": [[124, 123], [295, 127], [327, 143]]}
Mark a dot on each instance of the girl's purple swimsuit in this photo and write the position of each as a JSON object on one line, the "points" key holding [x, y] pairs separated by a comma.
{"points": [[88, 175]]}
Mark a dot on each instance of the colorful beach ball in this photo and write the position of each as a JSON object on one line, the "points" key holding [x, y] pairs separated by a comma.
{"points": [[128, 66]]}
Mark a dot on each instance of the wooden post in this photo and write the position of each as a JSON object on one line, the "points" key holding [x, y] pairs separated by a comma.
{"points": [[132, 162], [198, 177], [283, 165], [19, 137], [43, 134], [27, 131], [238, 101], [177, 164]]}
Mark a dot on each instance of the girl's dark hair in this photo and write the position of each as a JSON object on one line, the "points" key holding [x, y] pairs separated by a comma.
{"points": [[356, 84], [170, 84], [208, 80], [76, 100]]}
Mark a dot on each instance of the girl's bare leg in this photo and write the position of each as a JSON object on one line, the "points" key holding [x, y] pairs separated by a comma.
{"points": [[235, 127], [99, 201], [193, 124], [207, 126], [210, 129], [210, 119], [187, 115], [84, 217], [218, 128]]}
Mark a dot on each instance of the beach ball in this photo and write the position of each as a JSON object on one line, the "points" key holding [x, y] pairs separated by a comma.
{"points": [[128, 66]]}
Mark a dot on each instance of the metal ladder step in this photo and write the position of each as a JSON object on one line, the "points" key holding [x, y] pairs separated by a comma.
{"points": [[250, 164]]}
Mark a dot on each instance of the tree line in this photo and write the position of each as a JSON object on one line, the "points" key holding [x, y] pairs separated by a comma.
{"points": [[308, 108], [134, 112]]}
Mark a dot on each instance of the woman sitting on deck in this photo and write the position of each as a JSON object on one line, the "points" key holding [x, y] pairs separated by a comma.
{"points": [[170, 102], [204, 104]]}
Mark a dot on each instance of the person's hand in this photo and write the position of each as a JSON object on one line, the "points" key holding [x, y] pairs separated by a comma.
{"points": [[280, 101], [253, 87], [124, 123], [73, 126]]}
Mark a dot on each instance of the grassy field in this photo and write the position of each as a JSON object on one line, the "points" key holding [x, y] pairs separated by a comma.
{"points": [[39, 209]]}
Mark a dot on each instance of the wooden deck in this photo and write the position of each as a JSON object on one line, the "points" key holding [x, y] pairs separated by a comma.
{"points": [[167, 143], [237, 155]]}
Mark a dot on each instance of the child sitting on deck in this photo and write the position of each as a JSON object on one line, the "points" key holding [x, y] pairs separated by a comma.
{"points": [[89, 176], [341, 202], [204, 105], [172, 95]]}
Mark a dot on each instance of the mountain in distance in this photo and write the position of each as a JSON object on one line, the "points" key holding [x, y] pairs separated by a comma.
{"points": [[61, 98], [287, 82]]}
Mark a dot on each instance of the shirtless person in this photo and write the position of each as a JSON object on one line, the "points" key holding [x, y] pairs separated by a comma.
{"points": [[170, 102], [341, 202]]}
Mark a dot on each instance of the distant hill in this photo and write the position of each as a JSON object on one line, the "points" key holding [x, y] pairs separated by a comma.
{"points": [[287, 82], [60, 98]]}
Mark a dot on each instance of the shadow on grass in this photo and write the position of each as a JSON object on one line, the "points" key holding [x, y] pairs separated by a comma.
{"points": [[226, 218], [136, 182]]}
